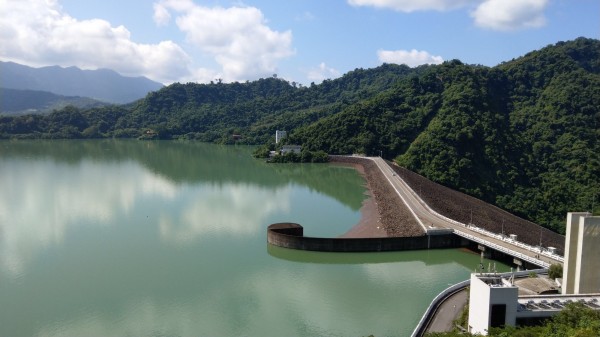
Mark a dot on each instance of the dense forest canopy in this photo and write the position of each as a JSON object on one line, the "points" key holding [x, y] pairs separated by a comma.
{"points": [[522, 135]]}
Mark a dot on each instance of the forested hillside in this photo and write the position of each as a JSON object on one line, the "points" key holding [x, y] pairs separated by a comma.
{"points": [[18, 102], [522, 135]]}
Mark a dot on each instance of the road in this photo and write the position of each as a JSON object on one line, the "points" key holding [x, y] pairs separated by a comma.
{"points": [[448, 312], [430, 221]]}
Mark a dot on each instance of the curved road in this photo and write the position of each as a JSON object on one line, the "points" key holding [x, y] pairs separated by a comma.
{"points": [[430, 221]]}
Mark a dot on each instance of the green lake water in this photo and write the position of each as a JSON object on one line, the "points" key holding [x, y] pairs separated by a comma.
{"points": [[131, 238]]}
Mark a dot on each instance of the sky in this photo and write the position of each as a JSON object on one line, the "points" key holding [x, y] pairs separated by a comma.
{"points": [[302, 41]]}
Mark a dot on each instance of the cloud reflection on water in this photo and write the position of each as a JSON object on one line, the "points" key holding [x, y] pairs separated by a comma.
{"points": [[224, 209], [40, 201]]}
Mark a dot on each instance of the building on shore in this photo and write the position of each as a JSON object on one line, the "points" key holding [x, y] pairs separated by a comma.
{"points": [[492, 303], [495, 301], [279, 135], [297, 149]]}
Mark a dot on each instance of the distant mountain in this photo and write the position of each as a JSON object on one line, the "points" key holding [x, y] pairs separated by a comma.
{"points": [[102, 84], [19, 102]]}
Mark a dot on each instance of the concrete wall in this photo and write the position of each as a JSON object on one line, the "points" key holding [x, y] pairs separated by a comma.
{"points": [[479, 306], [573, 241], [570, 265], [587, 272], [290, 235]]}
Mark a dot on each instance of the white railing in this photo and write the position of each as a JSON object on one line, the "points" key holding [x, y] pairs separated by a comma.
{"points": [[503, 249]]}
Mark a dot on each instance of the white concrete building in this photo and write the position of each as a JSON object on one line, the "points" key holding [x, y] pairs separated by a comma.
{"points": [[279, 135], [581, 271], [495, 301], [492, 303]]}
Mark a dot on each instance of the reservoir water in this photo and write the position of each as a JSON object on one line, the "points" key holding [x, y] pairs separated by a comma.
{"points": [[132, 238]]}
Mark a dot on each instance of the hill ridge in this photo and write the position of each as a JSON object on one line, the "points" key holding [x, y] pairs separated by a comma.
{"points": [[101, 84]]}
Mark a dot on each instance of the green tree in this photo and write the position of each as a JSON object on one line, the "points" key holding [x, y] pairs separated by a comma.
{"points": [[555, 271]]}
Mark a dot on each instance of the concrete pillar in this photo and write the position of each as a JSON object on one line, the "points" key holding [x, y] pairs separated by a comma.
{"points": [[581, 271], [571, 248], [587, 272]]}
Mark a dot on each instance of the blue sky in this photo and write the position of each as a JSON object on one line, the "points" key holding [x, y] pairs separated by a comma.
{"points": [[300, 40]]}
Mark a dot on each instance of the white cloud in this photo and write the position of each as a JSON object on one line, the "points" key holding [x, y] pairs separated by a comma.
{"points": [[411, 58], [39, 33], [412, 5], [237, 37], [509, 15], [306, 16], [322, 72], [503, 15]]}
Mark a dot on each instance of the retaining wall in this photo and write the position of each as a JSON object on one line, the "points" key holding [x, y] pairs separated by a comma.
{"points": [[291, 235]]}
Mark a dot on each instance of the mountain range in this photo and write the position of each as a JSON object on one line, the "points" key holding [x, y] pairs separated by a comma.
{"points": [[18, 102], [102, 85], [523, 135]]}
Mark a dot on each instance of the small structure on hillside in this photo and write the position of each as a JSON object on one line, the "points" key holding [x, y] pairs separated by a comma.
{"points": [[279, 135], [297, 149]]}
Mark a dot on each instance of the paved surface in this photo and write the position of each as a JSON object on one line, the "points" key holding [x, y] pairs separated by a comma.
{"points": [[449, 311], [426, 218]]}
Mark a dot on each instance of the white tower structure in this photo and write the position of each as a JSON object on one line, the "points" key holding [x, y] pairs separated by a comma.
{"points": [[581, 272], [279, 135], [492, 303]]}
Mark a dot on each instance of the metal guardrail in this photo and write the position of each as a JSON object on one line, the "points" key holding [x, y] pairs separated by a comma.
{"points": [[505, 250], [435, 303]]}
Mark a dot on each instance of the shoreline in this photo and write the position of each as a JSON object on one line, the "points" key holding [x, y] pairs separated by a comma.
{"points": [[382, 214], [369, 225]]}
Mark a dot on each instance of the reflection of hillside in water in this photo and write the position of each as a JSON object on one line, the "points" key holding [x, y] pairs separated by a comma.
{"points": [[191, 162]]}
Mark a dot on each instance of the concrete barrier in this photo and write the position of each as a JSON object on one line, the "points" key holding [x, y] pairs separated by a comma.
{"points": [[431, 310], [291, 235]]}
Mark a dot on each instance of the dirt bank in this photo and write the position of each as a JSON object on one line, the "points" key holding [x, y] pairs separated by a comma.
{"points": [[384, 214]]}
